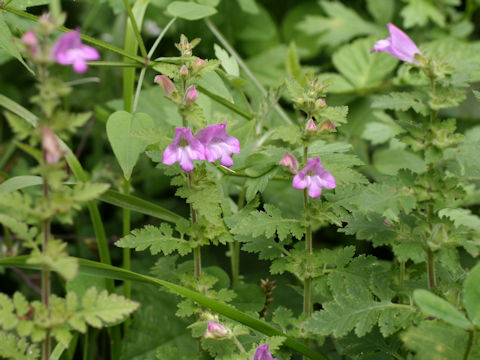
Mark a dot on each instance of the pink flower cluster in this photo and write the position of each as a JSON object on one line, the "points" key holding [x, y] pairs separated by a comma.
{"points": [[211, 143], [313, 176]]}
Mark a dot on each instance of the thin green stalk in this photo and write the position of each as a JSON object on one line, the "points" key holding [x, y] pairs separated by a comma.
{"points": [[235, 245], [85, 345], [307, 282], [430, 268], [471, 337], [244, 66], [114, 64], [149, 55], [84, 37], [239, 344], [133, 22], [8, 238], [126, 230], [197, 255]]}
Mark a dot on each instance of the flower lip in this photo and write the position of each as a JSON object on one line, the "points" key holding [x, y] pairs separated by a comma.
{"points": [[218, 144], [314, 176], [69, 50], [398, 44], [184, 149], [262, 353]]}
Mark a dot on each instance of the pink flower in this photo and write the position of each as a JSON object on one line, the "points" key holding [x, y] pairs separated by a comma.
{"points": [[191, 95], [398, 45], [166, 84], [310, 127], [218, 144], [214, 331], [69, 50], [314, 177], [263, 353], [184, 149], [31, 42], [290, 163]]}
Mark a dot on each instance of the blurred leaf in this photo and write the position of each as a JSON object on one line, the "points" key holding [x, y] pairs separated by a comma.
{"points": [[19, 182], [432, 305], [361, 68], [120, 127], [381, 10], [23, 4], [461, 217], [293, 62], [418, 12], [400, 101], [411, 161], [7, 43], [213, 83], [228, 62], [249, 6], [379, 132], [471, 295], [17, 348], [341, 25], [190, 10]]}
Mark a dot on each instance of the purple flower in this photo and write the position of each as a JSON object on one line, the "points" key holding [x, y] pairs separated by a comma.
{"points": [[314, 177], [214, 331], [191, 95], [263, 353], [184, 149], [398, 45], [69, 50], [218, 145], [290, 163], [31, 42]]}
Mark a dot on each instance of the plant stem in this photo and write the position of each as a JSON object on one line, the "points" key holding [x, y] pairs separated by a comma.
{"points": [[239, 344], [307, 288], [235, 245], [245, 68], [45, 274], [197, 255], [143, 50], [85, 345], [430, 268], [144, 69], [126, 231], [471, 337]]}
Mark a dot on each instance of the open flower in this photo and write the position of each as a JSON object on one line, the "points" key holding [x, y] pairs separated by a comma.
{"points": [[214, 331], [398, 45], [31, 42], [263, 353], [314, 177], [218, 144], [184, 149], [69, 50]]}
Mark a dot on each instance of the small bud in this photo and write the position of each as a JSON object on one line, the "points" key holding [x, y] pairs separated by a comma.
{"points": [[215, 331], [386, 223], [51, 147], [198, 64], [310, 128], [290, 163], [300, 101], [326, 125], [166, 84], [184, 71], [31, 42], [47, 24], [320, 103], [191, 95]]}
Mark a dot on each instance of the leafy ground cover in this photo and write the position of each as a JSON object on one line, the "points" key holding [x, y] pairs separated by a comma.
{"points": [[239, 179]]}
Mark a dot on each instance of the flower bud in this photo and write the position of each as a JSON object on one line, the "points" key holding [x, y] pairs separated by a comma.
{"points": [[290, 163], [300, 101], [320, 103], [47, 24], [198, 64], [51, 146], [326, 125], [191, 95], [215, 331], [386, 223], [167, 85], [310, 128], [31, 42], [183, 71]]}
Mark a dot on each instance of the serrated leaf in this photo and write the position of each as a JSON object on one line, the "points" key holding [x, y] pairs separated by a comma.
{"points": [[88, 191], [461, 217], [471, 295], [269, 223], [6, 41], [158, 239], [379, 132], [401, 101], [294, 88], [12, 347], [361, 68], [287, 133], [432, 305], [293, 62], [418, 12], [409, 160], [189, 10], [18, 228], [228, 62], [127, 149]]}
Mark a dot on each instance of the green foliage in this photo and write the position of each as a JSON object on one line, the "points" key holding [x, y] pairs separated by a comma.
{"points": [[471, 295], [11, 347], [189, 10], [158, 239], [401, 101]]}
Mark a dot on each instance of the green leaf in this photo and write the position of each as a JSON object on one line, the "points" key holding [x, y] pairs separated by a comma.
{"points": [[434, 340], [461, 217], [189, 10], [103, 270], [432, 305], [6, 41], [341, 25], [293, 62], [294, 88], [411, 161], [269, 223], [213, 83], [228, 62], [23, 4], [157, 239], [471, 295], [381, 10], [361, 68], [418, 12], [19, 110], [379, 132], [84, 192], [249, 6], [18, 228], [14, 348], [401, 101], [139, 205], [120, 127]]}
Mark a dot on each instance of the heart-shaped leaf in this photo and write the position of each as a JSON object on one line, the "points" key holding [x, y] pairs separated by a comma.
{"points": [[122, 128]]}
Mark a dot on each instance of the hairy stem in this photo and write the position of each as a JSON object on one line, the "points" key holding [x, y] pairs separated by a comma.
{"points": [[235, 245], [471, 337], [430, 268]]}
